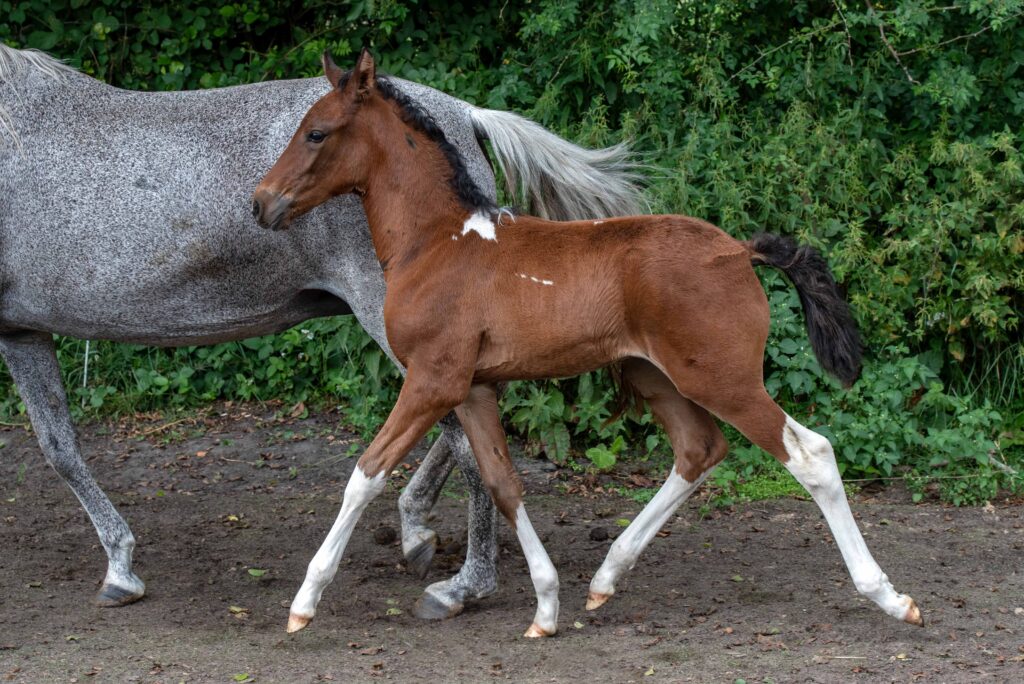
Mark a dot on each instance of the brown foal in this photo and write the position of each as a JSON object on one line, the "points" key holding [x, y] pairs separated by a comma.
{"points": [[477, 296]]}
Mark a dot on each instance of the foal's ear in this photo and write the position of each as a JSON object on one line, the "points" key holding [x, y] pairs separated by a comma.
{"points": [[331, 70], [364, 75]]}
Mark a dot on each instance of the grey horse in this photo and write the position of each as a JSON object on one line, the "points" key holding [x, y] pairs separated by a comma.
{"points": [[125, 216]]}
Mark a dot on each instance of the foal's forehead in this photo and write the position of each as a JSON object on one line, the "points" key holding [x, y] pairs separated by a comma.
{"points": [[328, 109]]}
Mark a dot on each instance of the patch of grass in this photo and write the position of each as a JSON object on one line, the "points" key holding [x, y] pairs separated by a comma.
{"points": [[769, 486], [641, 495], [745, 479]]}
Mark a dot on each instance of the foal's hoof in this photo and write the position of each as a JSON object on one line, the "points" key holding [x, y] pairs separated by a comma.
{"points": [[419, 558], [913, 615], [536, 632], [297, 622], [429, 607], [112, 596], [596, 600]]}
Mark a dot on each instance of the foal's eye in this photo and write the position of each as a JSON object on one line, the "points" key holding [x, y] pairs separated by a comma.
{"points": [[315, 136]]}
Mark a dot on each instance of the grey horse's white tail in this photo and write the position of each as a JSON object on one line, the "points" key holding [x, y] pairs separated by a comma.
{"points": [[555, 178]]}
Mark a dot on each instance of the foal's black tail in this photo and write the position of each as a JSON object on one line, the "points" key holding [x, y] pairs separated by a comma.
{"points": [[830, 326]]}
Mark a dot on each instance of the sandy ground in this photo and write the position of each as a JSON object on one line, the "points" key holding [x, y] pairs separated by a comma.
{"points": [[755, 593]]}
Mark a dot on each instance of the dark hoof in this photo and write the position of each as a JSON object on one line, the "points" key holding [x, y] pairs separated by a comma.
{"points": [[111, 596], [419, 559], [429, 607]]}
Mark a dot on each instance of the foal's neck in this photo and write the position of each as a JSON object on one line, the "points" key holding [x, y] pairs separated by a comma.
{"points": [[408, 199]]}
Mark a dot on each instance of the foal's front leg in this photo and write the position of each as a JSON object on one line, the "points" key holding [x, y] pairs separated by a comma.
{"points": [[420, 405], [479, 417]]}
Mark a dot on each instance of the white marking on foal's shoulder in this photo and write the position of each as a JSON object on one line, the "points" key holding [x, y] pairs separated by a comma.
{"points": [[482, 225]]}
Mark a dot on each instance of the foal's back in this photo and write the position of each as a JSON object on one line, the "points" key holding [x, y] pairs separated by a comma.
{"points": [[560, 298]]}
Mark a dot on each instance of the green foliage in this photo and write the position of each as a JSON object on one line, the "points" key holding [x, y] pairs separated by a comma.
{"points": [[889, 137]]}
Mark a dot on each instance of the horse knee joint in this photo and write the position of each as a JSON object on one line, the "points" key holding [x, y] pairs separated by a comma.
{"points": [[716, 448], [361, 489], [811, 458]]}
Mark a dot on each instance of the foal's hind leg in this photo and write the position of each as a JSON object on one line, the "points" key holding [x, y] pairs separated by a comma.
{"points": [[807, 455], [698, 445], [33, 365], [479, 416]]}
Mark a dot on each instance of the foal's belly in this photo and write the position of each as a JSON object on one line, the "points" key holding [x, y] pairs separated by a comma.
{"points": [[534, 354], [535, 330]]}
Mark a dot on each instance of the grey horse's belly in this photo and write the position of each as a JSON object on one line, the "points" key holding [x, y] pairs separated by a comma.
{"points": [[204, 275]]}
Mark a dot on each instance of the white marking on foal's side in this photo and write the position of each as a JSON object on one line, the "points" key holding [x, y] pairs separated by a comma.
{"points": [[597, 223], [542, 572], [539, 281], [359, 492], [480, 224], [813, 463]]}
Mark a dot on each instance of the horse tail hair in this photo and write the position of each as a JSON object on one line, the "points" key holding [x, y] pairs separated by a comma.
{"points": [[830, 325], [12, 63], [556, 179]]}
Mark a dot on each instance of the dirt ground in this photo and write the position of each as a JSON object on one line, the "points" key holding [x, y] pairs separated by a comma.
{"points": [[757, 593]]}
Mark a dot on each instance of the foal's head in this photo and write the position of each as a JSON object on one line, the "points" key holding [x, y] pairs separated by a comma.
{"points": [[331, 152]]}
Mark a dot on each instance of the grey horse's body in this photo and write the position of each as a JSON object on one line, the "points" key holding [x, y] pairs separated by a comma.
{"points": [[126, 216]]}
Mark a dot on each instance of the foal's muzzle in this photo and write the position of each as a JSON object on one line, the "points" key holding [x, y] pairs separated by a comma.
{"points": [[271, 209]]}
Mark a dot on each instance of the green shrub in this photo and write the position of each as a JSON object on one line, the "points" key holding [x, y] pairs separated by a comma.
{"points": [[889, 138]]}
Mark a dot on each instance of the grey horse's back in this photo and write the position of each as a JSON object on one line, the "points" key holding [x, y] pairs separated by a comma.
{"points": [[125, 215]]}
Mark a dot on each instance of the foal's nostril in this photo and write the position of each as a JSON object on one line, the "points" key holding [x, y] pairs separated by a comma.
{"points": [[256, 209]]}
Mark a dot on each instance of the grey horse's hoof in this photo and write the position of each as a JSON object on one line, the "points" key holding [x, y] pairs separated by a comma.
{"points": [[418, 560], [112, 596], [429, 607]]}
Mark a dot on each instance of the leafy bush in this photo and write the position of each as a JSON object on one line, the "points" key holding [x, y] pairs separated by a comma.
{"points": [[887, 135]]}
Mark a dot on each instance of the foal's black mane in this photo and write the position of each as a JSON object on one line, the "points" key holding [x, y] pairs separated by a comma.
{"points": [[470, 196]]}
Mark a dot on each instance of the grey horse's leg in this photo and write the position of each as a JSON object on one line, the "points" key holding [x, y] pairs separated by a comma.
{"points": [[418, 498], [31, 359], [478, 577]]}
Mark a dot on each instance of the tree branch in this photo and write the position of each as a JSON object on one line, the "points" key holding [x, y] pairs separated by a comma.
{"points": [[966, 36], [892, 50]]}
